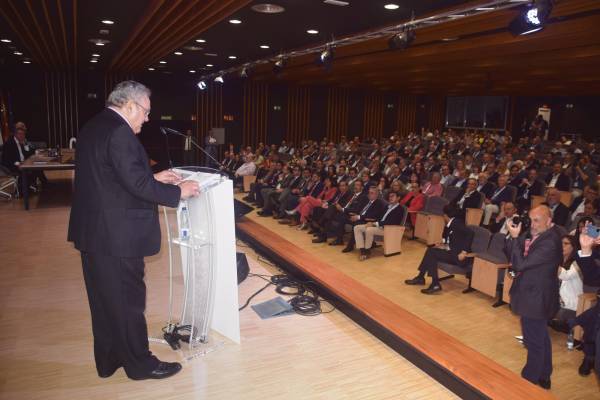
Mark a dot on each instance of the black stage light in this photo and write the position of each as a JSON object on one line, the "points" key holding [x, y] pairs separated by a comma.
{"points": [[279, 65], [202, 85], [245, 72], [531, 19], [402, 40], [325, 58], [220, 79]]}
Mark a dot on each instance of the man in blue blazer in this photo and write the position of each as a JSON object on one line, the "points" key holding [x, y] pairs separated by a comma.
{"points": [[114, 224]]}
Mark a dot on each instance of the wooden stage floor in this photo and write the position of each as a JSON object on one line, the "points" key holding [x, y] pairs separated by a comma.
{"points": [[470, 318], [46, 342]]}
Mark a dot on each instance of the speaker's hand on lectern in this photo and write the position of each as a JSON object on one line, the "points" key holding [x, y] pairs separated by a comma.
{"points": [[168, 176], [189, 189]]}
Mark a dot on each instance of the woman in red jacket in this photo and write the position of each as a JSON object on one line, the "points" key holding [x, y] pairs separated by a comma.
{"points": [[414, 201], [308, 203]]}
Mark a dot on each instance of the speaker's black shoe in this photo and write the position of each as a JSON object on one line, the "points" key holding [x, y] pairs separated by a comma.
{"points": [[415, 281], [163, 370], [108, 372], [319, 239], [432, 289], [337, 242], [545, 383], [586, 366], [348, 249]]}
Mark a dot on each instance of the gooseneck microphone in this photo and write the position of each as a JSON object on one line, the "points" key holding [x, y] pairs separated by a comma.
{"points": [[169, 131]]}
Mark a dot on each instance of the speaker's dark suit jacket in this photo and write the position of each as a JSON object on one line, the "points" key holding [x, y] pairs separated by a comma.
{"points": [[534, 291], [114, 208]]}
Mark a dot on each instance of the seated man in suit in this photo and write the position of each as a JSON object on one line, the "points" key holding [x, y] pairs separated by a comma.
{"points": [[355, 207], [457, 239], [501, 195], [484, 186], [16, 150], [560, 212], [470, 197], [346, 199], [364, 233], [500, 223], [371, 212], [269, 194], [529, 186], [590, 194], [557, 179]]}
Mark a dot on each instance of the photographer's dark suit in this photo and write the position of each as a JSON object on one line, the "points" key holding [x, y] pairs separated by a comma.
{"points": [[114, 224], [534, 296]]}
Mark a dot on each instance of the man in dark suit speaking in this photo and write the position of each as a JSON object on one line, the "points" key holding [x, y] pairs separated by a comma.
{"points": [[114, 224], [535, 257]]}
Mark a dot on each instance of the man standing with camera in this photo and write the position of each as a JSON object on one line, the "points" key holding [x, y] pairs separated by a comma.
{"points": [[535, 256]]}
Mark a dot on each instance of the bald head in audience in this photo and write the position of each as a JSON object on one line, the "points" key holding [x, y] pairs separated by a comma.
{"points": [[541, 220]]}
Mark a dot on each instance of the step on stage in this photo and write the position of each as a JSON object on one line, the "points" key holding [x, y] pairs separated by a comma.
{"points": [[466, 372]]}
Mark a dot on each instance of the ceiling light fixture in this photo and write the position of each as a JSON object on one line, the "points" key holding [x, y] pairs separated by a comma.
{"points": [[245, 72], [402, 40], [264, 46], [312, 31], [337, 3], [391, 6], [232, 57], [150, 69], [108, 22], [178, 53], [17, 53], [267, 8], [192, 71], [200, 41], [162, 62], [93, 60], [201, 85], [26, 62], [5, 41], [95, 55], [209, 65], [219, 79], [531, 19], [279, 65], [235, 21], [325, 58]]}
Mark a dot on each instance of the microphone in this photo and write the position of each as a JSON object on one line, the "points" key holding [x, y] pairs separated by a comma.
{"points": [[169, 131]]}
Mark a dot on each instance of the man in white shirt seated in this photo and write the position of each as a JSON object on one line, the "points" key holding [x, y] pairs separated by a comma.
{"points": [[500, 223], [247, 168]]}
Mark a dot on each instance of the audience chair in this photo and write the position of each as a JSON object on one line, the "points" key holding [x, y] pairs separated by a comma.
{"points": [[429, 225], [481, 239], [392, 236], [473, 215], [7, 180], [451, 193], [566, 198], [489, 268]]}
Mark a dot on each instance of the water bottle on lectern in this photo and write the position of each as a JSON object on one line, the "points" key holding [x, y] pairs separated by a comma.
{"points": [[184, 223]]}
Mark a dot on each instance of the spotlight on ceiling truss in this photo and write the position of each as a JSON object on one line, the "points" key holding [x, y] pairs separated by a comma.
{"points": [[531, 19], [201, 85], [279, 65], [219, 79], [325, 57], [402, 40], [245, 72]]}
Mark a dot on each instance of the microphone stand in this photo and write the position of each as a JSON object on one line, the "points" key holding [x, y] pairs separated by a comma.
{"points": [[166, 131], [168, 148]]}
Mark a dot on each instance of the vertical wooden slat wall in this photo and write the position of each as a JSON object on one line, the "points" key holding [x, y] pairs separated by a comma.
{"points": [[337, 113], [60, 91], [298, 116], [437, 112], [255, 112], [209, 111], [407, 115], [373, 115]]}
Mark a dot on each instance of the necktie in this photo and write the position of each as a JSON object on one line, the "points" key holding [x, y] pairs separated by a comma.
{"points": [[364, 211]]}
